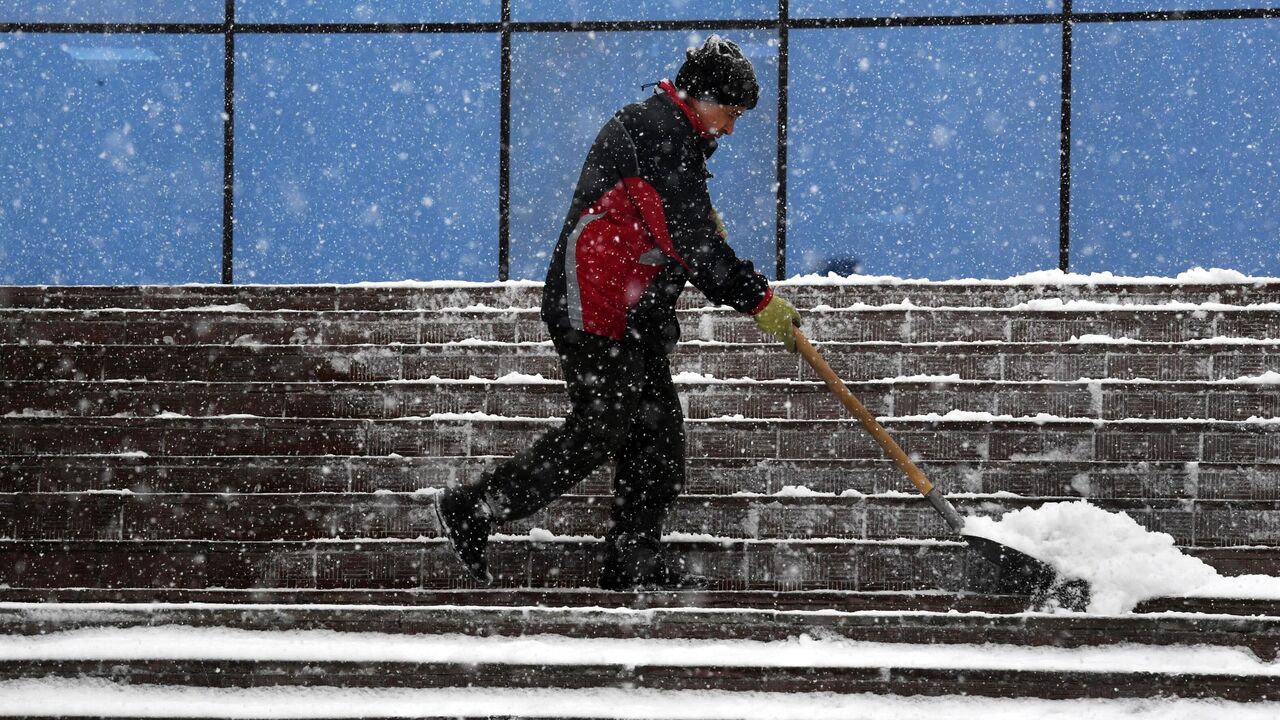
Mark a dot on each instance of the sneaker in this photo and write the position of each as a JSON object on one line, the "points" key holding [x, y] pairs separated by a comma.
{"points": [[638, 563], [465, 522]]}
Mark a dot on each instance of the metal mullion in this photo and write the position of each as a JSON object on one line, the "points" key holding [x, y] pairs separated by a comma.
{"points": [[1178, 15], [1064, 143], [780, 248], [504, 149], [114, 28], [228, 141], [366, 28], [644, 25], [923, 21]]}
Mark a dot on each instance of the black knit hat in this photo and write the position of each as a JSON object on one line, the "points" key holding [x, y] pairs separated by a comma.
{"points": [[720, 73]]}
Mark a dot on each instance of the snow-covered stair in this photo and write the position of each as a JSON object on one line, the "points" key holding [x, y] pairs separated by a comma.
{"points": [[283, 446]]}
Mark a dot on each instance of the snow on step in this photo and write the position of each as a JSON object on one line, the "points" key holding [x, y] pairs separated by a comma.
{"points": [[103, 698], [195, 643]]}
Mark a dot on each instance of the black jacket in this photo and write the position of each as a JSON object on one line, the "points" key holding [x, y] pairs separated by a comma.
{"points": [[640, 226]]}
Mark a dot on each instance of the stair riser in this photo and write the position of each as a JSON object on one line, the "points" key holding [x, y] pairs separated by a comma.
{"points": [[365, 298], [291, 363], [266, 518], [794, 402], [722, 326], [906, 618], [428, 564], [960, 441], [914, 682], [704, 476]]}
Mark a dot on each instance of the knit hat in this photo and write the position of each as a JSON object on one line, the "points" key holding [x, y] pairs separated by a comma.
{"points": [[720, 73]]}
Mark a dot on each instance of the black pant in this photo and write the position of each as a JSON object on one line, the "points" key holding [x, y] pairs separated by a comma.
{"points": [[624, 408]]}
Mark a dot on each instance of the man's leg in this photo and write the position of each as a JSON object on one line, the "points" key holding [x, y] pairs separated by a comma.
{"points": [[651, 463], [650, 476], [603, 378]]}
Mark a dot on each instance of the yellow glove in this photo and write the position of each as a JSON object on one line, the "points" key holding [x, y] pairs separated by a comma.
{"points": [[719, 221], [777, 319]]}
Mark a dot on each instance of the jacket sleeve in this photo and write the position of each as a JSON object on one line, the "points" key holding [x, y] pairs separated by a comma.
{"points": [[693, 236]]}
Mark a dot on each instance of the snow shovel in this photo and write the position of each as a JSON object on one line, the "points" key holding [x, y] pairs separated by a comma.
{"points": [[1019, 573]]}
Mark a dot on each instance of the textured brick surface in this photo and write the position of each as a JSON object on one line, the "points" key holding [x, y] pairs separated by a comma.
{"points": [[327, 391], [520, 294], [1022, 362]]}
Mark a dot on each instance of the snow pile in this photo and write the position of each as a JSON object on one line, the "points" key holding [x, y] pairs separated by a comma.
{"points": [[1123, 562]]}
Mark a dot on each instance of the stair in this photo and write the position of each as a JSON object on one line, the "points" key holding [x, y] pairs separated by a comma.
{"points": [[262, 460]]}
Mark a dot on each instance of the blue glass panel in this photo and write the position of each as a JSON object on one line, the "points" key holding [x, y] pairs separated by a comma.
{"points": [[378, 11], [924, 152], [366, 157], [919, 8], [1176, 147], [565, 86], [111, 164], [588, 10], [1090, 6], [116, 11]]}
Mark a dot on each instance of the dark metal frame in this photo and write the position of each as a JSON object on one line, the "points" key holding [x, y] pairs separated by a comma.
{"points": [[505, 28]]}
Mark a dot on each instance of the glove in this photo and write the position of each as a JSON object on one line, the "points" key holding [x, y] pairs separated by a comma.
{"points": [[777, 319]]}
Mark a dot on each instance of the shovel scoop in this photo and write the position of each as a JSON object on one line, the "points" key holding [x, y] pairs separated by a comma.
{"points": [[1017, 572]]}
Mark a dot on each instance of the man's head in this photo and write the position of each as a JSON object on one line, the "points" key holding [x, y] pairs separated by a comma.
{"points": [[719, 83]]}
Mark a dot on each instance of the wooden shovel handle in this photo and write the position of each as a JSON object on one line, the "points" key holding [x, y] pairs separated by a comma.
{"points": [[837, 386]]}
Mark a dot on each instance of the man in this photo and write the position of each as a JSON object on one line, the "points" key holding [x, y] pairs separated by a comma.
{"points": [[641, 224]]}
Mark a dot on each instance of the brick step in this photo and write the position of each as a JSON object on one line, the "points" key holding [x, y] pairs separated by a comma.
{"points": [[705, 476], [873, 678], [113, 606], [931, 439], [320, 516], [776, 566], [1107, 400], [1179, 324], [109, 606], [1217, 359], [914, 618], [529, 294]]}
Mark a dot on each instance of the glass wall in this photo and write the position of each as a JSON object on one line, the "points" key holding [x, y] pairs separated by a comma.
{"points": [[111, 165], [366, 157], [383, 11], [557, 109], [928, 147], [1089, 6], [1176, 147], [924, 152], [113, 11]]}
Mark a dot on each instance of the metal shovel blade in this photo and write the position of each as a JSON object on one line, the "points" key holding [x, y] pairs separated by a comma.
{"points": [[1021, 574]]}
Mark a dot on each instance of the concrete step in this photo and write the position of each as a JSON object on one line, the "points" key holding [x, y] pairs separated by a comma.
{"points": [[881, 677], [1173, 323], [1214, 359], [40, 610], [705, 476], [932, 439], [350, 516], [541, 561], [702, 399], [438, 295], [914, 618]]}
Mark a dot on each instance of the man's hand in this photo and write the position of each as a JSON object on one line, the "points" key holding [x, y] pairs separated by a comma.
{"points": [[777, 319]]}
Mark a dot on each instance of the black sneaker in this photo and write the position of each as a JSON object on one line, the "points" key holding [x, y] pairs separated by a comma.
{"points": [[638, 564], [465, 522]]}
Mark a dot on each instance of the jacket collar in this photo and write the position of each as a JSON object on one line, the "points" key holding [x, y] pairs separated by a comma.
{"points": [[676, 96]]}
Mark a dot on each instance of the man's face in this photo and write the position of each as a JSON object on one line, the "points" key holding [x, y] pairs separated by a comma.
{"points": [[716, 118]]}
